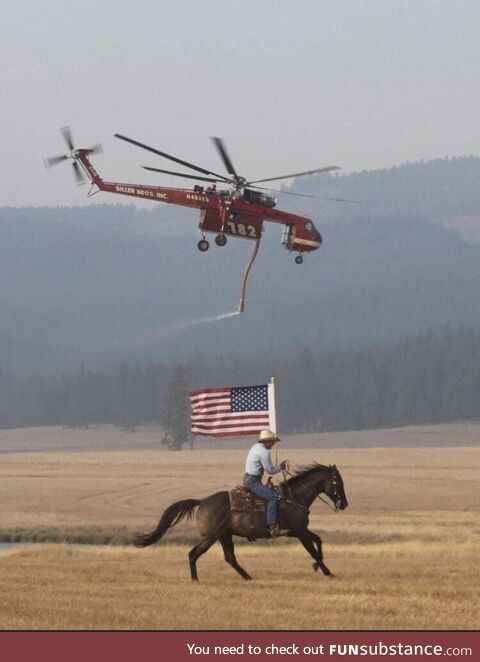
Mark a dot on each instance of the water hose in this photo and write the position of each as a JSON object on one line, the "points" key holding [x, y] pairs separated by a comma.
{"points": [[241, 305]]}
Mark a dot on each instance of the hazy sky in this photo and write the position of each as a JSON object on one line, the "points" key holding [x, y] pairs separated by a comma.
{"points": [[289, 85]]}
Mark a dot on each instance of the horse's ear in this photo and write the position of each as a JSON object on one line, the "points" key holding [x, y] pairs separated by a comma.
{"points": [[335, 467]]}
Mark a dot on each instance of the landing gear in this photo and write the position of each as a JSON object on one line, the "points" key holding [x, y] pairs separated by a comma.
{"points": [[203, 245], [299, 259], [220, 240]]}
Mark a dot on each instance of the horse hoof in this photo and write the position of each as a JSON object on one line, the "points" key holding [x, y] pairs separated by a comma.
{"points": [[315, 566]]}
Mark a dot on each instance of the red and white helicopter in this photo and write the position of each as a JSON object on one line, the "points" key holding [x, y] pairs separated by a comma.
{"points": [[238, 211]]}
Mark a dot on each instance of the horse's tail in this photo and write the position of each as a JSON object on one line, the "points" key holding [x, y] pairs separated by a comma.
{"points": [[173, 515]]}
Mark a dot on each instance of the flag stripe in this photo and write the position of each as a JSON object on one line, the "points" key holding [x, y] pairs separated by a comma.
{"points": [[219, 430], [206, 391], [225, 423], [215, 397], [225, 416], [209, 410], [200, 433], [212, 403]]}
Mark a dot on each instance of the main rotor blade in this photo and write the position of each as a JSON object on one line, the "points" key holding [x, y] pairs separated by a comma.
{"points": [[219, 144], [78, 173], [53, 160], [180, 174], [295, 174], [308, 195], [67, 134], [169, 156]]}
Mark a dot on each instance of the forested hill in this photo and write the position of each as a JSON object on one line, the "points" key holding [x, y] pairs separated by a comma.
{"points": [[440, 189], [433, 377], [99, 284]]}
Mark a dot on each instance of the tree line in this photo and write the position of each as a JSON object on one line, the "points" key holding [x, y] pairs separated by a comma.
{"points": [[439, 188], [430, 378]]}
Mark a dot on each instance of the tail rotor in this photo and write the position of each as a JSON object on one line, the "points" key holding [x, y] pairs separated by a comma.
{"points": [[72, 155]]}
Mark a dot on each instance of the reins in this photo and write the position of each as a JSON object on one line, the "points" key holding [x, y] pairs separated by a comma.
{"points": [[319, 496], [286, 472]]}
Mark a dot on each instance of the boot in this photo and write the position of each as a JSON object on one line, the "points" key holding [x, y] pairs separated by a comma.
{"points": [[274, 530]]}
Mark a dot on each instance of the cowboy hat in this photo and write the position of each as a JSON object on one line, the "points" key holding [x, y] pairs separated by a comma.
{"points": [[268, 435]]}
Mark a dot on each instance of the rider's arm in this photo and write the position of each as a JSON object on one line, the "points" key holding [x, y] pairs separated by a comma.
{"points": [[267, 463]]}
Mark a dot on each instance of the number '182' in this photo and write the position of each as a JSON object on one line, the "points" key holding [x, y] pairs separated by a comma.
{"points": [[242, 229]]}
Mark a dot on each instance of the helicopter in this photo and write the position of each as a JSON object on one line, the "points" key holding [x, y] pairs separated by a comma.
{"points": [[238, 211]]}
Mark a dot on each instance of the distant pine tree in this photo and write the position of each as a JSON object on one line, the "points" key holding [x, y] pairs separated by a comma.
{"points": [[176, 413]]}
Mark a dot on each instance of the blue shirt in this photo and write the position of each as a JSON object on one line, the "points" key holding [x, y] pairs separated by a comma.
{"points": [[259, 461]]}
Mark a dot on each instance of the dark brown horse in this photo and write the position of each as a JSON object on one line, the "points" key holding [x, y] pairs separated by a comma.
{"points": [[216, 521]]}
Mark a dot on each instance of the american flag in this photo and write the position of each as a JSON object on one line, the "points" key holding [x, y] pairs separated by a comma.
{"points": [[233, 412]]}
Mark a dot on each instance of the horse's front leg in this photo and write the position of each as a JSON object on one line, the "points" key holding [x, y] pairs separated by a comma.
{"points": [[318, 541], [313, 544]]}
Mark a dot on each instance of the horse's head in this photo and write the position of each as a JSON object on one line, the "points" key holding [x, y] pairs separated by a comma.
{"points": [[335, 490], [309, 482]]}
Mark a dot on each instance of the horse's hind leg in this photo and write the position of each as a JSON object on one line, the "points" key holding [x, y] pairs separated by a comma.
{"points": [[229, 553], [197, 551], [307, 538]]}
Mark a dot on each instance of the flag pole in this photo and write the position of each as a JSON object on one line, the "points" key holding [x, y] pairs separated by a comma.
{"points": [[271, 405], [272, 412]]}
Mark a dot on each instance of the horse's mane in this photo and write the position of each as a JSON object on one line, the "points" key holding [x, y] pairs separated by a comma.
{"points": [[305, 472]]}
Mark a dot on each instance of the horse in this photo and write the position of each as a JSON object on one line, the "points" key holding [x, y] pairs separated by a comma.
{"points": [[216, 520]]}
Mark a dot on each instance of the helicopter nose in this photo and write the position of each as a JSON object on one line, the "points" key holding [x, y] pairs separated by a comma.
{"points": [[317, 239], [316, 236]]}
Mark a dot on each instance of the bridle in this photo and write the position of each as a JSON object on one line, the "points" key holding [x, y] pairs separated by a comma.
{"points": [[334, 497]]}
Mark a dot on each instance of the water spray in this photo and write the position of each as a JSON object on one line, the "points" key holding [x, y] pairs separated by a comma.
{"points": [[203, 320], [187, 324], [155, 335]]}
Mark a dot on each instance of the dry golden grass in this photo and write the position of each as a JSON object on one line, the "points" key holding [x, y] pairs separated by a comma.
{"points": [[383, 586], [131, 488], [405, 552]]}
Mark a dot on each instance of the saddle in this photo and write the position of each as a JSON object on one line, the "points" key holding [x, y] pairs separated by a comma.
{"points": [[242, 500]]}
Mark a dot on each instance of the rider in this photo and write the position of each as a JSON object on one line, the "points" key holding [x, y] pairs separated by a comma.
{"points": [[258, 462]]}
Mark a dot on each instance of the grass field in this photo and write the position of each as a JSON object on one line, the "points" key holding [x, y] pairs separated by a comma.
{"points": [[405, 552], [401, 585]]}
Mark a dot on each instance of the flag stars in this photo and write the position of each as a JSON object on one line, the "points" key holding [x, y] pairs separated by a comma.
{"points": [[250, 398]]}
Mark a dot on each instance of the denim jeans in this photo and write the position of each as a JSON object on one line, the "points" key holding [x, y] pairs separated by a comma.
{"points": [[255, 485]]}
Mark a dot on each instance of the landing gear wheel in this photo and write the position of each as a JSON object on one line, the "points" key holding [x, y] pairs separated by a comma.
{"points": [[203, 245], [299, 259], [220, 240]]}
